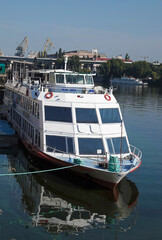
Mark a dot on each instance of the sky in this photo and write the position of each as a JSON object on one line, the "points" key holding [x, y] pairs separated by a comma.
{"points": [[113, 27]]}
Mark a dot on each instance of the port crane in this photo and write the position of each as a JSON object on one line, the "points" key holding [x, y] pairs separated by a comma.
{"points": [[22, 47], [47, 46]]}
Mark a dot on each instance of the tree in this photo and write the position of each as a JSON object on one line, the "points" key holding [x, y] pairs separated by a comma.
{"points": [[127, 56], [59, 63], [105, 70], [60, 53], [113, 68], [141, 69], [60, 59], [74, 63], [117, 68]]}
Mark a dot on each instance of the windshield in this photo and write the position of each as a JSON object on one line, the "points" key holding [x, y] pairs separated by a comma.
{"points": [[59, 78], [75, 79], [89, 79]]}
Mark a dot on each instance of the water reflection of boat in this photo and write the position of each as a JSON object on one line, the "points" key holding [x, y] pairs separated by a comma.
{"points": [[61, 204]]}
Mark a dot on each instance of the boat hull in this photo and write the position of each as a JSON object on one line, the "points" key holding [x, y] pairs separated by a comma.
{"points": [[103, 178]]}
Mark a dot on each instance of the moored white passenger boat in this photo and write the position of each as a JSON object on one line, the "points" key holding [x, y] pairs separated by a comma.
{"points": [[62, 118], [128, 81]]}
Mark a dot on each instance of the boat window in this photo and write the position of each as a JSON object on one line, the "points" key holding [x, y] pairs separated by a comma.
{"points": [[59, 78], [117, 145], [60, 114], [110, 115], [59, 144], [70, 148], [86, 115], [75, 79], [90, 146], [89, 79]]}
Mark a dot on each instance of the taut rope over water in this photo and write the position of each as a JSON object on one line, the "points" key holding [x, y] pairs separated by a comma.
{"points": [[36, 172]]}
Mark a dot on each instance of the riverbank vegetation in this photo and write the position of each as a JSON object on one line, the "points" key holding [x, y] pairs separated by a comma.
{"points": [[116, 68]]}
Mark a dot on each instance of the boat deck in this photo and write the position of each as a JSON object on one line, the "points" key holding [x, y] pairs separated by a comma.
{"points": [[122, 165]]}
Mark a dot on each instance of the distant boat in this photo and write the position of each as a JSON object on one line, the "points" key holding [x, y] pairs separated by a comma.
{"points": [[127, 81]]}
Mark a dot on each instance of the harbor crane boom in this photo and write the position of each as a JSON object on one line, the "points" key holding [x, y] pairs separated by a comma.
{"points": [[22, 47], [47, 46]]}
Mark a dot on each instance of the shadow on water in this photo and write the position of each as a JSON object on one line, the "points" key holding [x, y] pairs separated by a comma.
{"points": [[63, 203]]}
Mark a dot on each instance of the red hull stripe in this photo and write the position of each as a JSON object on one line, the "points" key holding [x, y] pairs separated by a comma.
{"points": [[37, 153], [136, 167]]}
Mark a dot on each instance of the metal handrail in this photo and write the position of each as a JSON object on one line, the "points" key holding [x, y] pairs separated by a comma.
{"points": [[136, 152], [68, 89], [72, 155]]}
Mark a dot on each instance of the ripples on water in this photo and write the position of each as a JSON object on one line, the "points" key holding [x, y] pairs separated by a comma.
{"points": [[142, 111], [59, 206]]}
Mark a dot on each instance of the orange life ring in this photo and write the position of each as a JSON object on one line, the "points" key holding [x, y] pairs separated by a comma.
{"points": [[107, 97], [49, 95]]}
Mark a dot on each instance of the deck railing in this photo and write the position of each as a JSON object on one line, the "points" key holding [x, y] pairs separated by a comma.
{"points": [[136, 152], [70, 156], [123, 164], [64, 89]]}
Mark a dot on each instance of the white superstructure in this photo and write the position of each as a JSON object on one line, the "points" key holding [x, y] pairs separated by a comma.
{"points": [[62, 118], [128, 81]]}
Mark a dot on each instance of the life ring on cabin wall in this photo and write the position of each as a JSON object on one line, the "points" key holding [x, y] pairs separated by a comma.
{"points": [[107, 97], [49, 95]]}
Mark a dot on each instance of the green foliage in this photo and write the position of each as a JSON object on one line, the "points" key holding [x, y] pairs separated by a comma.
{"points": [[140, 69], [60, 59], [117, 68], [113, 68], [84, 70], [60, 53], [105, 70], [74, 63], [59, 64], [127, 56]]}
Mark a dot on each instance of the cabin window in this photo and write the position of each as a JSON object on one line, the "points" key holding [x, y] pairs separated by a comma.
{"points": [[86, 115], [90, 146], [59, 78], [60, 114], [75, 79], [110, 115], [117, 145], [89, 79], [70, 145], [59, 144]]}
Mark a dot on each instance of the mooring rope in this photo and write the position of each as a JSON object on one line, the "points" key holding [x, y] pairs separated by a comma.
{"points": [[35, 172]]}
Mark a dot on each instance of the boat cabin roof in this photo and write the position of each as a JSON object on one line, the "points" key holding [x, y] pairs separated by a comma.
{"points": [[61, 77]]}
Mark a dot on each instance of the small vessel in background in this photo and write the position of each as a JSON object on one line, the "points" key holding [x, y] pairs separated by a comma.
{"points": [[63, 119], [128, 81]]}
